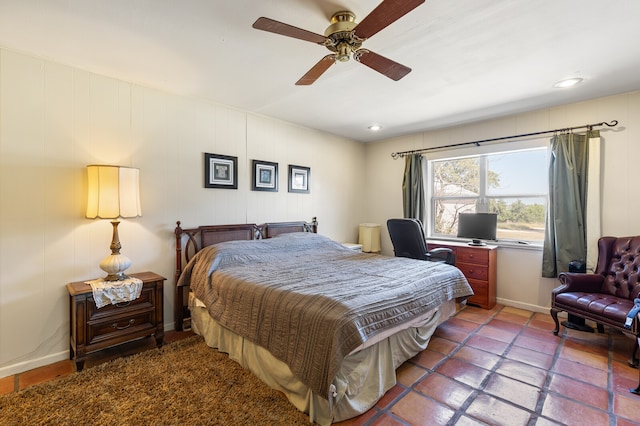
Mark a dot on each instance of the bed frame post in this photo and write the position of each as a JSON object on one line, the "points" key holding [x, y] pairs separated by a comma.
{"points": [[314, 224], [178, 309]]}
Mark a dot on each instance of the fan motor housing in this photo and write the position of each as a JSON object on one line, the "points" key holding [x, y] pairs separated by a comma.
{"points": [[343, 21], [340, 32]]}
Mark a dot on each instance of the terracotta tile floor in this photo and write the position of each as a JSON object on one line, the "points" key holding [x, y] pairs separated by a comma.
{"points": [[483, 367], [505, 367]]}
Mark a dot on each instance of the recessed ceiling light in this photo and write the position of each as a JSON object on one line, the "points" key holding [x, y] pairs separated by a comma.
{"points": [[567, 83], [375, 127]]}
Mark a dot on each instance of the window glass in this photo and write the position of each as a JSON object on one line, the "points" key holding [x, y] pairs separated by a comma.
{"points": [[512, 184], [518, 173]]}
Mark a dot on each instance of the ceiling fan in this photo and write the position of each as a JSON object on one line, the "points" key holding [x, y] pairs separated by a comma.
{"points": [[344, 37]]}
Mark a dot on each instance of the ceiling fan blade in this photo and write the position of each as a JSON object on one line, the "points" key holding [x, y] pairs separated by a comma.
{"points": [[316, 71], [384, 15], [391, 69], [267, 24]]}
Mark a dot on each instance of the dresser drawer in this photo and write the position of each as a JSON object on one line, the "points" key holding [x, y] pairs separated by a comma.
{"points": [[476, 272], [480, 292], [119, 327], [468, 255]]}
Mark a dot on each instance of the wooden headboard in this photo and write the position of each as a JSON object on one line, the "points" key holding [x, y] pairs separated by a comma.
{"points": [[190, 241]]}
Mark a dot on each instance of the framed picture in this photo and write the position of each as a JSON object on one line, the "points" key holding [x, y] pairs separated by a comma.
{"points": [[265, 176], [220, 171], [299, 179]]}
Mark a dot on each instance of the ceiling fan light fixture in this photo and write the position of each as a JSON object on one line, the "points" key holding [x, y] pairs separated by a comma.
{"points": [[569, 82], [343, 52]]}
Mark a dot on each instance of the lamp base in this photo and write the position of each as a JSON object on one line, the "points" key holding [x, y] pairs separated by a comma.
{"points": [[115, 265]]}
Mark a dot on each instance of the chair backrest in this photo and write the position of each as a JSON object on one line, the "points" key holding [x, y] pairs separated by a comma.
{"points": [[407, 237], [618, 262]]}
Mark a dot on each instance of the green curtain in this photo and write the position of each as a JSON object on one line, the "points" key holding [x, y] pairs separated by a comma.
{"points": [[412, 187], [565, 228]]}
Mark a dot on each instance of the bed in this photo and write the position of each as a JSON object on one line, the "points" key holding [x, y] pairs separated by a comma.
{"points": [[322, 323]]}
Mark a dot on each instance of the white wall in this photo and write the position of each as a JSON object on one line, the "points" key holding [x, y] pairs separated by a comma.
{"points": [[55, 120], [519, 270]]}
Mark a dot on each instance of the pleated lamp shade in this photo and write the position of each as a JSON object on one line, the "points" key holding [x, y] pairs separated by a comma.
{"points": [[113, 191]]}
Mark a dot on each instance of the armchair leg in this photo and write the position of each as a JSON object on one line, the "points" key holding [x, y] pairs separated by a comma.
{"points": [[636, 390], [633, 360], [554, 315]]}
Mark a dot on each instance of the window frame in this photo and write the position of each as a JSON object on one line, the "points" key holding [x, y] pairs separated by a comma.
{"points": [[482, 153]]}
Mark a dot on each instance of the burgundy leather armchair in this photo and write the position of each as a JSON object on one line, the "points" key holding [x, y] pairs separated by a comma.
{"points": [[607, 295]]}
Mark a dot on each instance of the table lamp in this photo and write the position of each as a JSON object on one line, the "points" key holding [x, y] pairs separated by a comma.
{"points": [[113, 192], [369, 237]]}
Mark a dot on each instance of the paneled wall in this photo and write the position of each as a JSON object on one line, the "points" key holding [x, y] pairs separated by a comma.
{"points": [[55, 120], [519, 269]]}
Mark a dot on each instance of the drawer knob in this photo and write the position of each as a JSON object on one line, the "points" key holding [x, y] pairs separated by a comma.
{"points": [[129, 324]]}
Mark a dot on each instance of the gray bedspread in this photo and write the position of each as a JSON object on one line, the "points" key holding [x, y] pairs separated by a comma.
{"points": [[310, 301]]}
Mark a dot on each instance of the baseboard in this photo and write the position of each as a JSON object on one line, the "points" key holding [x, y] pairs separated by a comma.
{"points": [[21, 367], [527, 306]]}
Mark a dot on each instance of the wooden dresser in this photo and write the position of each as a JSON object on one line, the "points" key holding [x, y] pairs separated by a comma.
{"points": [[478, 264], [93, 329]]}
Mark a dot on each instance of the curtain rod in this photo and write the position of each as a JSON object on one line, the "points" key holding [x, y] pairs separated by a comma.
{"points": [[589, 127]]}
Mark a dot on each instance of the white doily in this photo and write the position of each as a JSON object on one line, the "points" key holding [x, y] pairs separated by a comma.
{"points": [[112, 292]]}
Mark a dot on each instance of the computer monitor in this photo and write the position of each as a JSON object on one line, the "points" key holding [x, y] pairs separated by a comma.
{"points": [[477, 227]]}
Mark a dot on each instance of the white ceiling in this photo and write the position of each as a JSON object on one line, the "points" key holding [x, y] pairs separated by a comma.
{"points": [[471, 59]]}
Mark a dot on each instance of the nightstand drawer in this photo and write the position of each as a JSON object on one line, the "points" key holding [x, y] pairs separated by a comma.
{"points": [[115, 328], [145, 301]]}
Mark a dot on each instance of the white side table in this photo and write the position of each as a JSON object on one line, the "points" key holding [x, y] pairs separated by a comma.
{"points": [[353, 246]]}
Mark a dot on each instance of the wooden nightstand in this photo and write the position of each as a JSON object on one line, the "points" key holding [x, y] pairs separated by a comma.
{"points": [[93, 329]]}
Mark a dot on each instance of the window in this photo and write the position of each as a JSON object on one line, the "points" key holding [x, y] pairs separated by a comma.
{"points": [[512, 184]]}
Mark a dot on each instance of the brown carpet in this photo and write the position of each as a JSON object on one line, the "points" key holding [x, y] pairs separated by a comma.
{"points": [[184, 383]]}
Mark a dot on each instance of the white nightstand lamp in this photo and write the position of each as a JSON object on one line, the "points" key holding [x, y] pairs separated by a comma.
{"points": [[369, 237]]}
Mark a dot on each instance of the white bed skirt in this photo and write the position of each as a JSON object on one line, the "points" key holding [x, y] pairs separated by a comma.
{"points": [[365, 375]]}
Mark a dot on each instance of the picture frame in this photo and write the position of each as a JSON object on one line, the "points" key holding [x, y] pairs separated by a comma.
{"points": [[299, 179], [264, 176], [220, 171]]}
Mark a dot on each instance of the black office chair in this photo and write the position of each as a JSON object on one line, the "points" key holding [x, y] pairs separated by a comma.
{"points": [[407, 236]]}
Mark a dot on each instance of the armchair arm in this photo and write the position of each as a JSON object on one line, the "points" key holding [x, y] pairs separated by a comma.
{"points": [[574, 281]]}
